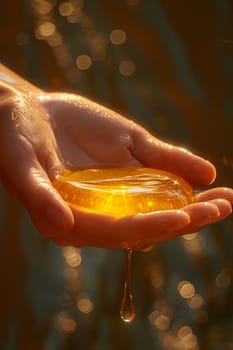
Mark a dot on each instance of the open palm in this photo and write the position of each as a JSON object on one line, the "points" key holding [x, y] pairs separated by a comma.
{"points": [[91, 135]]}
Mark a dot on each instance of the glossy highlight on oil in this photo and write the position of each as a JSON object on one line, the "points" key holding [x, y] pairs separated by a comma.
{"points": [[123, 191]]}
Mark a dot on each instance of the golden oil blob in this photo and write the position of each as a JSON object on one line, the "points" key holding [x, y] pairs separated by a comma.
{"points": [[123, 191]]}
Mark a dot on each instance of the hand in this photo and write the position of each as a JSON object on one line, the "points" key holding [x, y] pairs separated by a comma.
{"points": [[42, 132], [90, 135]]}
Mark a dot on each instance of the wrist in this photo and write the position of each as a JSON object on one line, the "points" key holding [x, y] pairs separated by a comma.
{"points": [[9, 89], [7, 78], [9, 85], [12, 82], [6, 92]]}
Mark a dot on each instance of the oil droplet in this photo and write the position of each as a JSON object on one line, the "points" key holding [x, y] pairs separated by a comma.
{"points": [[127, 310], [120, 192]]}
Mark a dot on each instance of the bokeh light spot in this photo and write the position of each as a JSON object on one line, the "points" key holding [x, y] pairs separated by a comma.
{"points": [[72, 256], [46, 29], [66, 323], [43, 7], [55, 39], [196, 301], [117, 37], [186, 289], [84, 304], [184, 331], [83, 62], [127, 68], [189, 236], [194, 244], [162, 322], [66, 8]]}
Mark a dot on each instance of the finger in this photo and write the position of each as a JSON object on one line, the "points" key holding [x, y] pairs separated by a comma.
{"points": [[139, 230], [224, 208], [202, 212], [157, 154], [201, 215], [205, 213], [218, 192], [106, 231]]}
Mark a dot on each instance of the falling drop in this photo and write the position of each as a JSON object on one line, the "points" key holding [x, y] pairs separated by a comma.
{"points": [[127, 310]]}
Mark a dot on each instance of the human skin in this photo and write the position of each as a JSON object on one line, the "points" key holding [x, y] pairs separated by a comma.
{"points": [[42, 132]]}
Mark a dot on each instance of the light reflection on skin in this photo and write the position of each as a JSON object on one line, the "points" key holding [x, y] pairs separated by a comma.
{"points": [[8, 79]]}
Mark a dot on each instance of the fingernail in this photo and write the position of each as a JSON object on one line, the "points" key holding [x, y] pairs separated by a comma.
{"points": [[56, 218], [213, 210], [184, 215]]}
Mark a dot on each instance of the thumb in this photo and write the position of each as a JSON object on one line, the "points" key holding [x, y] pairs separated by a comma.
{"points": [[30, 184], [50, 213], [155, 153]]}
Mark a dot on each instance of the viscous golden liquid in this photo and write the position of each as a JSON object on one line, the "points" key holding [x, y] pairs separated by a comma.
{"points": [[121, 192]]}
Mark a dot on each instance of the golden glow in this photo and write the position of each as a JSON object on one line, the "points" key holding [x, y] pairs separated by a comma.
{"points": [[64, 54], [144, 190]]}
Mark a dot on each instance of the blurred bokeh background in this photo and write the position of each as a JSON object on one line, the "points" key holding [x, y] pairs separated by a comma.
{"points": [[168, 65]]}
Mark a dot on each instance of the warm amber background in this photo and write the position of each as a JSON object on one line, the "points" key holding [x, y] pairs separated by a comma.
{"points": [[178, 83]]}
